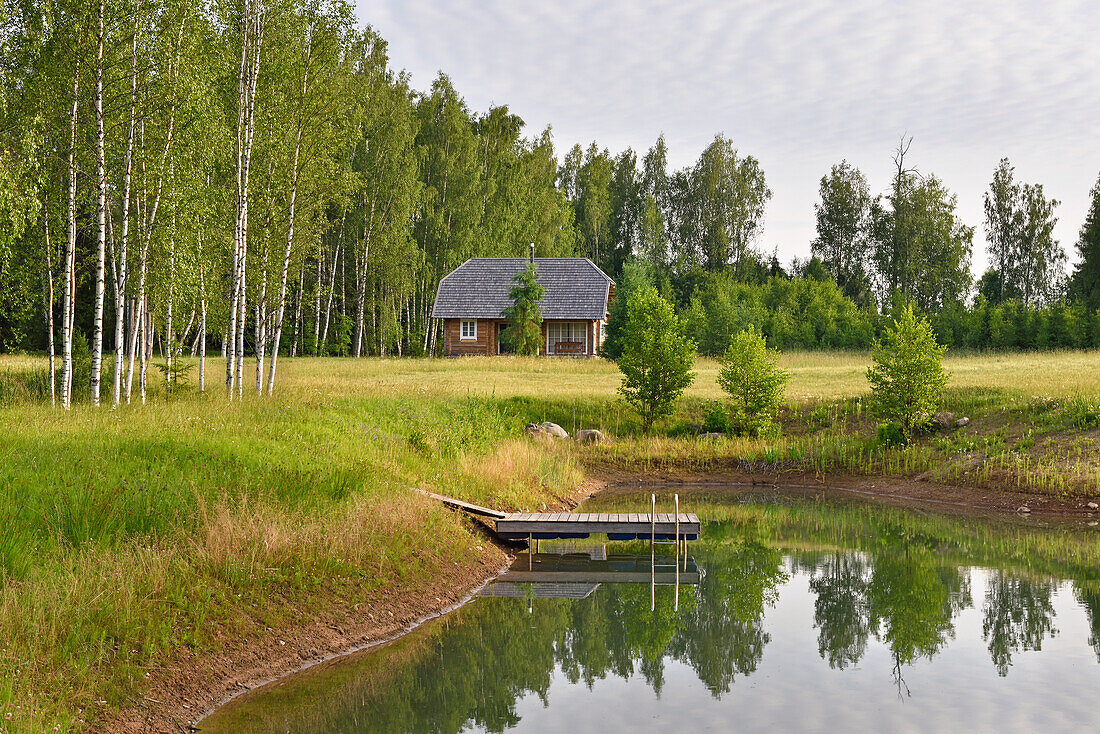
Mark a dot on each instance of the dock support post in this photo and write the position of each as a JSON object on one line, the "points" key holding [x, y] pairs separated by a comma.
{"points": [[652, 552], [530, 551], [676, 557], [676, 498], [652, 521]]}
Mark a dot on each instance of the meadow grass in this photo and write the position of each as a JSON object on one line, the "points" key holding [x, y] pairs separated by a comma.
{"points": [[127, 534]]}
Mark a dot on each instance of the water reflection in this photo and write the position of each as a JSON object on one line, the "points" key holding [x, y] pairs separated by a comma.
{"points": [[876, 608]]}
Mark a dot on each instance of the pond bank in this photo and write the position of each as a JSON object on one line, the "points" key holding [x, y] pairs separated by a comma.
{"points": [[195, 683]]}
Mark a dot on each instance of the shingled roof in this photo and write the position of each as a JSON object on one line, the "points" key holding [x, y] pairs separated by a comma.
{"points": [[480, 288]]}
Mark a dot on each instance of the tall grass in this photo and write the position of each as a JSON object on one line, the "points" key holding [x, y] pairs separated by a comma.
{"points": [[128, 534]]}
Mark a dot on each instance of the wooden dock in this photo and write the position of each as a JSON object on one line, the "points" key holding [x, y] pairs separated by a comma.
{"points": [[616, 526]]}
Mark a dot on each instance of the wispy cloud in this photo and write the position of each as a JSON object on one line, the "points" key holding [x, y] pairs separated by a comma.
{"points": [[800, 84]]}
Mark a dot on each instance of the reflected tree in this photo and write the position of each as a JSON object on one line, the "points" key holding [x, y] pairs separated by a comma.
{"points": [[1089, 596], [912, 603], [1017, 615], [725, 635], [841, 610]]}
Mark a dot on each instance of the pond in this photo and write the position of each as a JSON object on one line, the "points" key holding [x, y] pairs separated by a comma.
{"points": [[791, 613]]}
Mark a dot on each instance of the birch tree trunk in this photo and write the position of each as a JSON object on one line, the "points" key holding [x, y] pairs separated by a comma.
{"points": [[149, 218], [70, 258], [317, 303], [202, 319], [122, 261], [331, 291], [251, 45], [361, 288], [168, 350], [290, 219], [101, 212], [297, 313], [49, 299]]}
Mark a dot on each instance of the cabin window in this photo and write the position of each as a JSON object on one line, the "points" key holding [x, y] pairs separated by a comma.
{"points": [[567, 337], [469, 329]]}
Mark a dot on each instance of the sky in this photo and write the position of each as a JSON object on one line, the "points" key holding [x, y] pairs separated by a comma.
{"points": [[799, 84]]}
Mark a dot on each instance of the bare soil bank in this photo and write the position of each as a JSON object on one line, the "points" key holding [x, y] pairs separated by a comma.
{"points": [[196, 682], [898, 491]]}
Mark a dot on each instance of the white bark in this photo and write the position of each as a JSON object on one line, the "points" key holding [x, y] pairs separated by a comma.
{"points": [[168, 348], [317, 303], [49, 299], [251, 45], [290, 224], [101, 212], [122, 261], [298, 312], [70, 258], [331, 291]]}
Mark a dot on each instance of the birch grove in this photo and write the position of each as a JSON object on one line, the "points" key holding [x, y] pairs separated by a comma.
{"points": [[251, 176]]}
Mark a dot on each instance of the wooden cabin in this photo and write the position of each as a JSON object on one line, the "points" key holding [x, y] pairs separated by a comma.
{"points": [[471, 301]]}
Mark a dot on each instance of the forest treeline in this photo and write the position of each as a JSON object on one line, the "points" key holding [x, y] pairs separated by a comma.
{"points": [[254, 176]]}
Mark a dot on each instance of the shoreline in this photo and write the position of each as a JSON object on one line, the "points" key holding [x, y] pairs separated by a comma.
{"points": [[198, 684]]}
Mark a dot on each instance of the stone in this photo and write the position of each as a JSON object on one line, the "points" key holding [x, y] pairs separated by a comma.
{"points": [[555, 430], [1024, 509], [1093, 506], [534, 430], [943, 420], [591, 435], [712, 436], [964, 421]]}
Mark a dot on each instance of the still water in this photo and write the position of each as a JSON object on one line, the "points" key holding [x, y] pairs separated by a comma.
{"points": [[790, 614]]}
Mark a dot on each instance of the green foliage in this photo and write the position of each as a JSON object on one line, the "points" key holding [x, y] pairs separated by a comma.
{"points": [[920, 248], [907, 378], [890, 434], [800, 312], [842, 228], [754, 382], [524, 332], [636, 276], [1085, 285], [656, 358], [716, 417], [1027, 262], [176, 376]]}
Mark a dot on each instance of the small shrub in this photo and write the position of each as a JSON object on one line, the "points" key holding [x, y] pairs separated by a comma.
{"points": [[820, 418], [176, 377], [1082, 412], [891, 434], [657, 358], [716, 418], [751, 377], [524, 332], [907, 377]]}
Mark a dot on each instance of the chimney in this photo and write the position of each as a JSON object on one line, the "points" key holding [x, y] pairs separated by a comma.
{"points": [[532, 253]]}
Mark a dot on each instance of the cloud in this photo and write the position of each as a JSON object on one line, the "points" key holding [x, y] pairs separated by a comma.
{"points": [[800, 84]]}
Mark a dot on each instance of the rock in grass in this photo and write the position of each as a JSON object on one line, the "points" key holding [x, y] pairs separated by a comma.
{"points": [[1023, 510], [555, 430], [712, 436], [534, 430], [1093, 506], [944, 420], [964, 421], [591, 435]]}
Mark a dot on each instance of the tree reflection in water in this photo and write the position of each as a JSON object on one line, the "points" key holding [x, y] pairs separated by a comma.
{"points": [[841, 609], [474, 666], [1017, 615]]}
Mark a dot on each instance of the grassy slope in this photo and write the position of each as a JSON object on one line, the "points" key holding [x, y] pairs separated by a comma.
{"points": [[126, 534]]}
